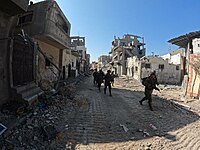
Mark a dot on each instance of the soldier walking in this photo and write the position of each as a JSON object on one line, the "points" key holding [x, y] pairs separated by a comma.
{"points": [[100, 77], [150, 84], [95, 76], [113, 78], [108, 79]]}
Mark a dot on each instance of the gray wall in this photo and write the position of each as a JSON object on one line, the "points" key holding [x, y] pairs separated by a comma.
{"points": [[48, 24], [6, 25]]}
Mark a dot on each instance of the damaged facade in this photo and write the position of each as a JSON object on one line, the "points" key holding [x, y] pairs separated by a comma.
{"points": [[35, 50], [94, 65], [191, 43], [142, 67], [176, 57], [78, 45], [103, 63], [50, 29], [16, 70], [167, 73], [128, 46]]}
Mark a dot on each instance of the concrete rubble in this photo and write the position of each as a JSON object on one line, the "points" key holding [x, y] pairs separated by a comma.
{"points": [[46, 123]]}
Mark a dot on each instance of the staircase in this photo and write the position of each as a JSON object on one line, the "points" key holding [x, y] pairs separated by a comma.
{"points": [[29, 92]]}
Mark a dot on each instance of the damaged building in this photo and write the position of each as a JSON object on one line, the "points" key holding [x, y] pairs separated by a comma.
{"points": [[78, 44], [128, 46], [50, 29], [176, 57], [103, 63], [166, 72], [17, 55], [191, 43], [94, 65], [36, 50]]}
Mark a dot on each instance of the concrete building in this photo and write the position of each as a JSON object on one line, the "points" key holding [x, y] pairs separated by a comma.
{"points": [[78, 44], [191, 43], [103, 60], [70, 63], [87, 63], [17, 55], [134, 67], [128, 46], [166, 72], [94, 65], [176, 57], [48, 26]]}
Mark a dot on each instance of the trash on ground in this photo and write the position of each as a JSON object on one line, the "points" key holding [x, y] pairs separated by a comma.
{"points": [[2, 128], [124, 127], [153, 127]]}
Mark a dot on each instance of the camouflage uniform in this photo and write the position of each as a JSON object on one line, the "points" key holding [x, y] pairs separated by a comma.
{"points": [[95, 76], [100, 77], [108, 79], [150, 84]]}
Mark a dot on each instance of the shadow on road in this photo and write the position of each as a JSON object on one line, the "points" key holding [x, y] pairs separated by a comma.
{"points": [[121, 118]]}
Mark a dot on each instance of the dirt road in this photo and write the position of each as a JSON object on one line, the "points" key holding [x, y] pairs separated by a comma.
{"points": [[94, 121], [120, 122]]}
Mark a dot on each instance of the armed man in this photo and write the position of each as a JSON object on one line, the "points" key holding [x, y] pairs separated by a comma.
{"points": [[95, 76], [150, 84], [108, 78], [99, 79]]}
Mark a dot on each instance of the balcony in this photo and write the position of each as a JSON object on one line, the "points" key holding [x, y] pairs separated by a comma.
{"points": [[14, 7], [45, 21]]}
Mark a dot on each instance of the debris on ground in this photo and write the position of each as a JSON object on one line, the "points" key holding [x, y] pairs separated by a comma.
{"points": [[43, 126], [3, 128], [124, 127], [153, 127], [81, 103]]}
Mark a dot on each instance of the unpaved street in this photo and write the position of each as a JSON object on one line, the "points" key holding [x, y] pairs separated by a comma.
{"points": [[86, 119], [119, 122]]}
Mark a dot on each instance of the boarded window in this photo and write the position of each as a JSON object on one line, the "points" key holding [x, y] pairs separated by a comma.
{"points": [[161, 66], [148, 65]]}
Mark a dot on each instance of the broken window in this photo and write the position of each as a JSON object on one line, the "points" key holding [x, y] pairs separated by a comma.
{"points": [[25, 18], [136, 68], [161, 66], [147, 65], [47, 62], [65, 28]]}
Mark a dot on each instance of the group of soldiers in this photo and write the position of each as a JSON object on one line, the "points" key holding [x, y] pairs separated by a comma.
{"points": [[100, 77], [149, 82]]}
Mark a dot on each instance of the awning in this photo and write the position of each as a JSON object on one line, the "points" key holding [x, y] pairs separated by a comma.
{"points": [[183, 40]]}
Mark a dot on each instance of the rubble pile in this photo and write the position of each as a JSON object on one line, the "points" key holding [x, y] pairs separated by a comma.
{"points": [[81, 103], [47, 125]]}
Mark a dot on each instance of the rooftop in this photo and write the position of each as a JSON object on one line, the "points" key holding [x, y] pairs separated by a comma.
{"points": [[183, 40]]}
